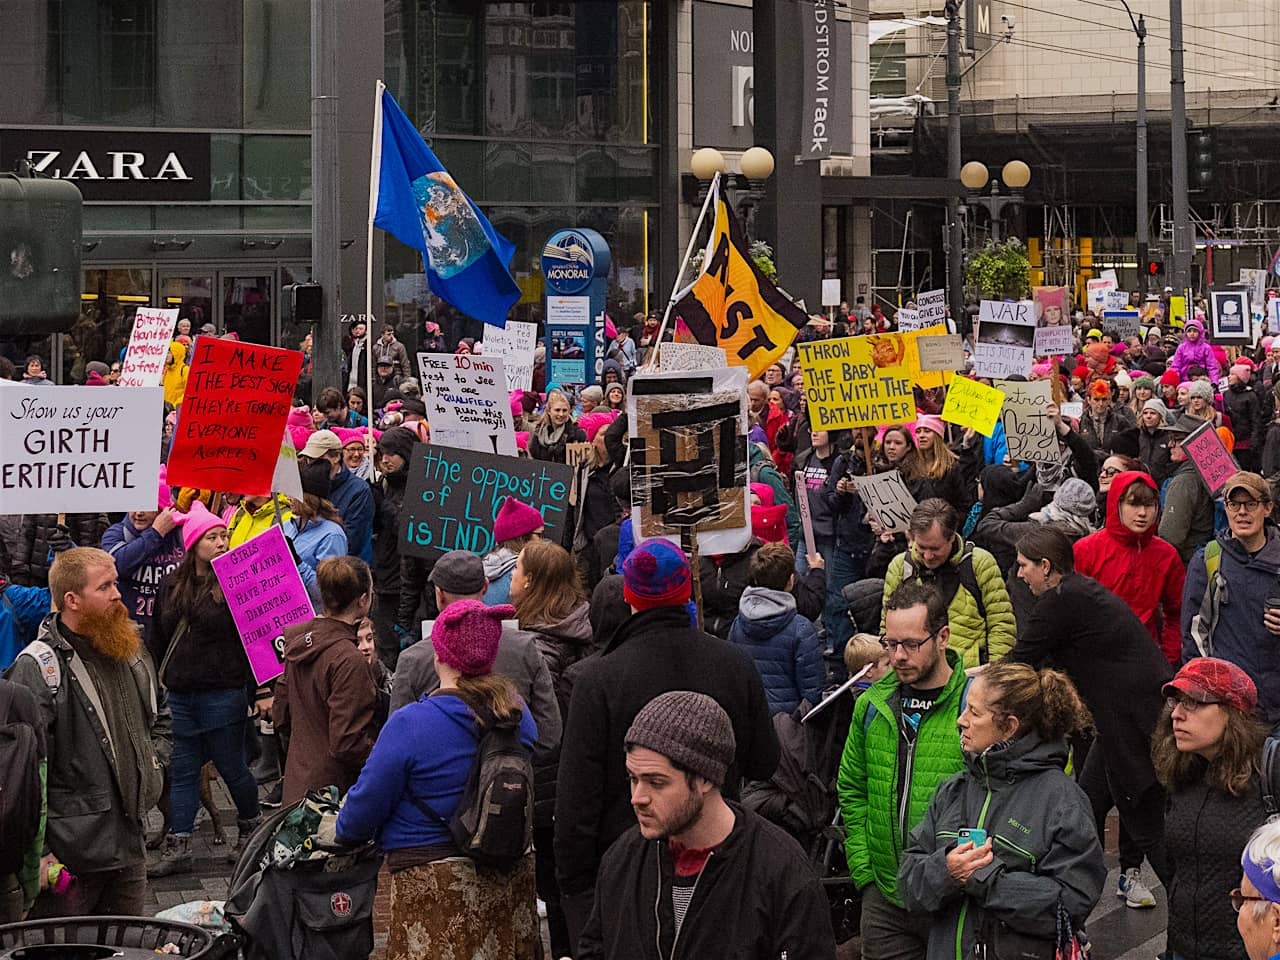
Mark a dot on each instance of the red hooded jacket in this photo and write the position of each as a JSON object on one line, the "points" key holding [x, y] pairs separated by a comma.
{"points": [[1141, 569]]}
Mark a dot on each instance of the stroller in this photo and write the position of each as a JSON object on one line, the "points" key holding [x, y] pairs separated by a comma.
{"points": [[295, 895]]}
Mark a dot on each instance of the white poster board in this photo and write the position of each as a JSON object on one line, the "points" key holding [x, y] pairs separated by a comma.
{"points": [[908, 319], [690, 356], [932, 305], [1053, 341], [287, 479], [148, 347], [1115, 300], [1028, 428], [887, 499], [1005, 339], [467, 402], [831, 292], [1096, 293], [514, 344]]}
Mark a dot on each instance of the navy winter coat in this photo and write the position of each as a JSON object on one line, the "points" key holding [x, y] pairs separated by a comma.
{"points": [[782, 644], [353, 499]]}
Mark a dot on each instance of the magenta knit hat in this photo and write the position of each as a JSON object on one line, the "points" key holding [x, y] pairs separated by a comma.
{"points": [[196, 522], [515, 519], [593, 422], [466, 635]]}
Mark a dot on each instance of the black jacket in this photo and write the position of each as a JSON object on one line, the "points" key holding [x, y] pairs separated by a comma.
{"points": [[1271, 449], [757, 899], [653, 652], [30, 560], [555, 452], [1243, 404], [209, 654], [388, 497], [1153, 451]]}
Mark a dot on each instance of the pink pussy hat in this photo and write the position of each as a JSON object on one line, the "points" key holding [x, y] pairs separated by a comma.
{"points": [[196, 522]]}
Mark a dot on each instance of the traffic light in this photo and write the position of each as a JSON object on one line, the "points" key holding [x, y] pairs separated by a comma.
{"points": [[1155, 268], [1200, 159], [40, 240]]}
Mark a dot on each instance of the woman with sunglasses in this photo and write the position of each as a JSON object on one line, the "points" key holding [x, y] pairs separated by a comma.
{"points": [[1257, 900], [1207, 751]]}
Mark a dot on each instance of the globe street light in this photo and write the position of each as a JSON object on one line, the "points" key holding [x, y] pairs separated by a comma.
{"points": [[756, 166], [1015, 174]]}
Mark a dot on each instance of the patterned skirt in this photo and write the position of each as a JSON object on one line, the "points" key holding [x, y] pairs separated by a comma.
{"points": [[452, 909]]}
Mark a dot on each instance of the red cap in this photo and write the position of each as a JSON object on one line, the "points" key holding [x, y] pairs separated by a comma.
{"points": [[1210, 680]]}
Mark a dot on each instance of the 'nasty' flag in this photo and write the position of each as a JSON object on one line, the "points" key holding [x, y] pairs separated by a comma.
{"points": [[733, 305]]}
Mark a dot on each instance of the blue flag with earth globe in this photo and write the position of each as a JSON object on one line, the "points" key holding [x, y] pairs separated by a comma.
{"points": [[419, 204]]}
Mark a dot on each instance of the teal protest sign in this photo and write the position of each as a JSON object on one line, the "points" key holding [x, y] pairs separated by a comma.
{"points": [[452, 497]]}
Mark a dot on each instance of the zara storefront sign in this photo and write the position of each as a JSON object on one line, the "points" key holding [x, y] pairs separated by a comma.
{"points": [[114, 164]]}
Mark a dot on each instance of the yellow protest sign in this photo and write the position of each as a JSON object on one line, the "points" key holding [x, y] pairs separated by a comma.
{"points": [[924, 379], [856, 382], [972, 404], [1177, 311]]}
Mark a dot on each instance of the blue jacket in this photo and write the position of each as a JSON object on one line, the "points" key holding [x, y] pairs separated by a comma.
{"points": [[354, 500], [319, 540], [783, 645], [424, 752], [21, 610], [143, 559]]}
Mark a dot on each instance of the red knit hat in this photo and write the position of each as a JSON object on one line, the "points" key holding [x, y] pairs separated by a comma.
{"points": [[1170, 378], [514, 520]]}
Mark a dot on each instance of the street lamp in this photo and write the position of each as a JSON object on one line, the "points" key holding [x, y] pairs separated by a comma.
{"points": [[755, 166], [1142, 240], [1015, 174]]}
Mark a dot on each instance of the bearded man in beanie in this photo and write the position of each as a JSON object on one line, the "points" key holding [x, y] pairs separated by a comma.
{"points": [[697, 869], [655, 651]]}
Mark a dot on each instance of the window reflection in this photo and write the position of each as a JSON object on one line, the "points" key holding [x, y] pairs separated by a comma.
{"points": [[108, 303]]}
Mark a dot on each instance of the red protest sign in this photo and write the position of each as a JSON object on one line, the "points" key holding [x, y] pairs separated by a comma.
{"points": [[232, 416], [1210, 455]]}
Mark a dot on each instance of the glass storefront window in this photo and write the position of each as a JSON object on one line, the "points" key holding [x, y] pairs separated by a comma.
{"points": [[108, 303], [277, 63]]}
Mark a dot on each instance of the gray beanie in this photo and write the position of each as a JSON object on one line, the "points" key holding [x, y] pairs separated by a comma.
{"points": [[1156, 404], [689, 729], [592, 392], [1202, 389], [1075, 496]]}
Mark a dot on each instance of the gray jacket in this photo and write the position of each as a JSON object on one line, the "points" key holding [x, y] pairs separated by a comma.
{"points": [[1045, 842], [88, 827], [518, 660], [1186, 520]]}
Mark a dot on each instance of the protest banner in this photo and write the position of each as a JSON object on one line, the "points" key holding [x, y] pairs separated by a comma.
{"points": [[1028, 428], [287, 479], [1096, 293], [1206, 450], [1004, 344], [690, 356], [1123, 323], [143, 364], [857, 382], [972, 404], [467, 402], [514, 344], [887, 500], [932, 305], [941, 353], [806, 513], [1053, 341], [908, 319], [79, 449], [265, 594], [452, 497], [233, 415], [689, 457]]}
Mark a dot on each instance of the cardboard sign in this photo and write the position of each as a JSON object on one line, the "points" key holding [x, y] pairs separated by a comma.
{"points": [[1004, 344], [925, 379], [452, 497], [857, 382], [941, 353], [1096, 293], [468, 406], [887, 500], [265, 594], [1053, 341], [514, 344], [973, 404], [233, 415], [1028, 428], [689, 457], [806, 513], [1123, 323], [79, 449], [830, 292], [932, 306], [1206, 450], [908, 319], [690, 356], [148, 347]]}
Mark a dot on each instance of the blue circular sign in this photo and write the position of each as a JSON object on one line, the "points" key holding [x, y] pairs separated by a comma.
{"points": [[571, 259]]}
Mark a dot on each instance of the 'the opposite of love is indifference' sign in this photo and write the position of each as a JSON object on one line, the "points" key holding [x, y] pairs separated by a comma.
{"points": [[148, 347], [1210, 455], [265, 594], [79, 449], [857, 382], [233, 415], [452, 497]]}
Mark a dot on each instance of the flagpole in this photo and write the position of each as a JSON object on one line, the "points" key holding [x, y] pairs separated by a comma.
{"points": [[712, 191], [375, 165]]}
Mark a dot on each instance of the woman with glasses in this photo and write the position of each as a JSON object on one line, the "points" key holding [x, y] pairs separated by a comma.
{"points": [[1257, 900], [1207, 751]]}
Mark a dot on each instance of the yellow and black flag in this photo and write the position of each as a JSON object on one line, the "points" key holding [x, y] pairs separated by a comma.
{"points": [[733, 305]]}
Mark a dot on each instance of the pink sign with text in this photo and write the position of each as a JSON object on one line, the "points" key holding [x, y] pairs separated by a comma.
{"points": [[1210, 455]]}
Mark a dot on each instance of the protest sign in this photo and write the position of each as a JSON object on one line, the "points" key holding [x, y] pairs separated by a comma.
{"points": [[265, 594], [1096, 293], [467, 402], [1206, 450], [148, 347], [941, 353], [1053, 341], [1177, 311], [806, 513], [1072, 409], [514, 344], [908, 319], [233, 415], [972, 404], [830, 292], [1028, 428], [887, 500], [1051, 306], [1115, 300], [79, 449], [1230, 321], [452, 497], [287, 479], [689, 457], [690, 356], [1123, 323], [857, 382], [924, 379], [932, 306], [1005, 340], [1273, 316]]}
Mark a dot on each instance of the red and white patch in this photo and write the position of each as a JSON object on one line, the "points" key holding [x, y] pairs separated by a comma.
{"points": [[340, 904]]}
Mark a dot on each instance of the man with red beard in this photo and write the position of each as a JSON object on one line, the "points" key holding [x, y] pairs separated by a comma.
{"points": [[107, 730]]}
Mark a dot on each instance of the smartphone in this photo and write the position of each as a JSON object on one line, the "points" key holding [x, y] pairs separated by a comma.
{"points": [[975, 835]]}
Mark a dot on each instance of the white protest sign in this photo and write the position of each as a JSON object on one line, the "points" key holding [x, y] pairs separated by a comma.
{"points": [[148, 347], [1110, 276], [1096, 292], [944, 351], [1052, 341], [1005, 340], [79, 449], [933, 308], [286, 479], [887, 499], [1028, 428], [1115, 300], [831, 293], [806, 515], [690, 356], [1072, 409], [515, 344], [467, 402], [1123, 323], [908, 319]]}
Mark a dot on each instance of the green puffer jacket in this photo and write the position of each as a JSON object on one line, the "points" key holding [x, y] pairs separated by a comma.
{"points": [[969, 632], [870, 787]]}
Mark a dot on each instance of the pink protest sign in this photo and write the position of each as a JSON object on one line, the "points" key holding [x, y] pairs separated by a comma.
{"points": [[1211, 457], [265, 593]]}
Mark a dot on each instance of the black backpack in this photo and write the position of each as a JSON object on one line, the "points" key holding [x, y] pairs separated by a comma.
{"points": [[20, 796], [493, 822]]}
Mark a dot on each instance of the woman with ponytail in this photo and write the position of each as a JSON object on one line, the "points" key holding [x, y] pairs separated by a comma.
{"points": [[1010, 842]]}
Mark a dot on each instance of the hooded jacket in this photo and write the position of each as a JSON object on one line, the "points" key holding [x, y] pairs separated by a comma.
{"points": [[1043, 837], [244, 526], [1186, 520], [725, 578], [783, 645], [498, 568], [1191, 354], [324, 702], [1141, 569]]}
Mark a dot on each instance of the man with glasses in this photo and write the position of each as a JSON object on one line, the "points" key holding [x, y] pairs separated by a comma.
{"points": [[1230, 605], [902, 745], [1187, 519]]}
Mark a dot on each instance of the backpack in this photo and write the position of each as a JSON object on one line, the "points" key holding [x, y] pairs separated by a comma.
{"points": [[493, 821], [20, 791], [950, 585], [1205, 619]]}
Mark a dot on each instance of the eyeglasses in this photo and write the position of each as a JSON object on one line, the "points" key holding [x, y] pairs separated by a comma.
{"points": [[1235, 506], [1187, 704], [911, 646], [1109, 471], [1239, 899]]}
